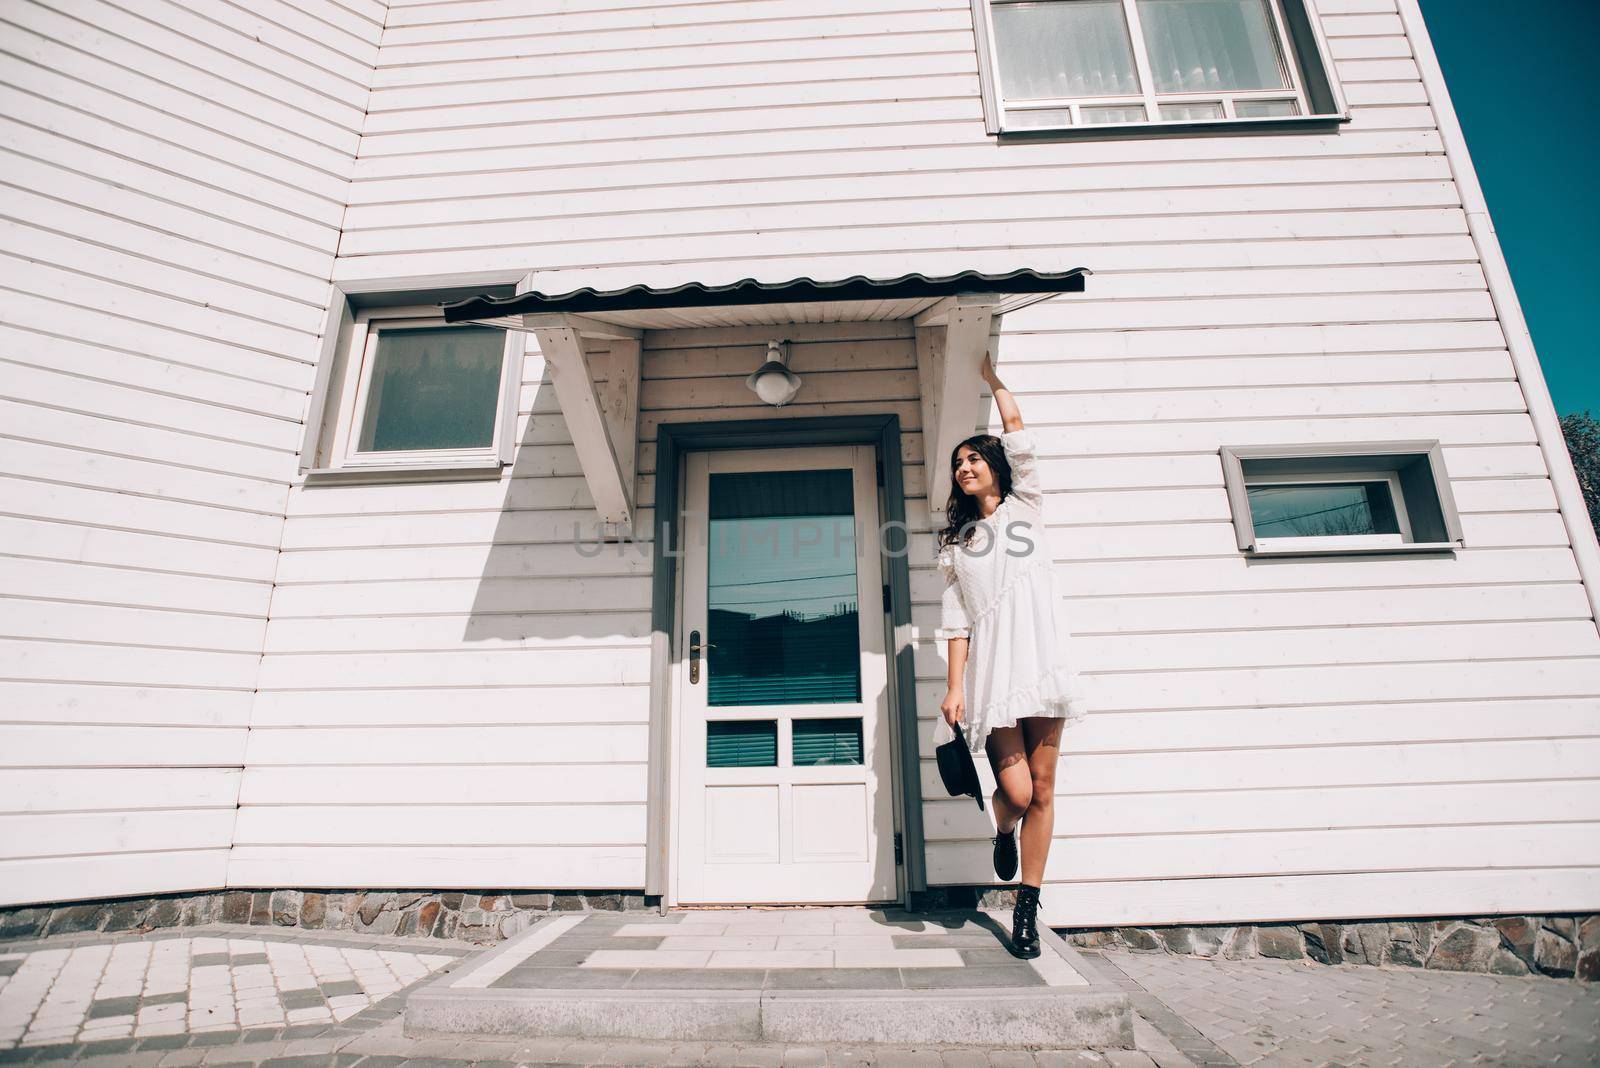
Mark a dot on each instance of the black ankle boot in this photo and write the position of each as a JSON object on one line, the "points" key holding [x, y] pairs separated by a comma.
{"points": [[1005, 854], [1024, 922]]}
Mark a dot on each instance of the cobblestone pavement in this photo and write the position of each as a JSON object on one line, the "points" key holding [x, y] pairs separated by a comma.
{"points": [[1279, 1012], [1191, 1012]]}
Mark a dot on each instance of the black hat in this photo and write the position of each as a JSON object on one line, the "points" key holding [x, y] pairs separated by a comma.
{"points": [[960, 775]]}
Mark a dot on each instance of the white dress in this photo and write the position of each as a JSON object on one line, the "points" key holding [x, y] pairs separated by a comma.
{"points": [[1000, 594]]}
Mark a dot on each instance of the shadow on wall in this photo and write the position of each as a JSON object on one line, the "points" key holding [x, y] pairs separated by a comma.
{"points": [[547, 576]]}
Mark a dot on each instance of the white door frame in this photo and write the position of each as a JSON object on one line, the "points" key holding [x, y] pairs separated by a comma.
{"points": [[885, 752]]}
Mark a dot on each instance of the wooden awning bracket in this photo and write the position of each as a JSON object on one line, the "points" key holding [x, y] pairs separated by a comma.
{"points": [[603, 420], [952, 337]]}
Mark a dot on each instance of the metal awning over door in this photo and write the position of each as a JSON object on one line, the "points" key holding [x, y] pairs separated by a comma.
{"points": [[954, 315]]}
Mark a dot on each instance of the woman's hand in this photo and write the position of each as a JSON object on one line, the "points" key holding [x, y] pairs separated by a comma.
{"points": [[954, 707], [1010, 414], [988, 372]]}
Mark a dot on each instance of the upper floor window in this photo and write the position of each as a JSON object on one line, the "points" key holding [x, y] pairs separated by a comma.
{"points": [[1071, 64]]}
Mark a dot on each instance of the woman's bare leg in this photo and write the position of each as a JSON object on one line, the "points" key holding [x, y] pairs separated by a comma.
{"points": [[1042, 741], [1013, 779]]}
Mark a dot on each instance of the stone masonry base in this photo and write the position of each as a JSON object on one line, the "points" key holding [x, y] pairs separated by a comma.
{"points": [[481, 916], [1559, 946]]}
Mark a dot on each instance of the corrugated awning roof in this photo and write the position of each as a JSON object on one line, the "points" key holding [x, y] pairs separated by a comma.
{"points": [[695, 303]]}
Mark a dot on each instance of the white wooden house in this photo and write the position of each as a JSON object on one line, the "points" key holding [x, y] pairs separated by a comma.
{"points": [[304, 583]]}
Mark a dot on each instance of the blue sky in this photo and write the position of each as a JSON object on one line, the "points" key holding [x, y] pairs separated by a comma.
{"points": [[1523, 90]]}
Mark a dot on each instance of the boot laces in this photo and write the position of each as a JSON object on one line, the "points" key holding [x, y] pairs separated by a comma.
{"points": [[1025, 914]]}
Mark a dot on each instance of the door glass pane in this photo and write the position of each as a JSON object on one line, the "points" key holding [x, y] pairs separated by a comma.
{"points": [[1284, 510], [741, 743], [827, 741], [1064, 48], [782, 589], [1199, 46], [435, 388]]}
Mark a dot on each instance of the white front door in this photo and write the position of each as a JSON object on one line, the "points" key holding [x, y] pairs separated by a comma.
{"points": [[784, 743]]}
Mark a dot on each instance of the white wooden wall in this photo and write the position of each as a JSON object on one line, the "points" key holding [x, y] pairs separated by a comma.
{"points": [[1303, 738], [452, 696], [455, 692], [175, 180]]}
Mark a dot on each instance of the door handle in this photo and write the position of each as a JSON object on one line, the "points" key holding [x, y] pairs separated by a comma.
{"points": [[694, 655]]}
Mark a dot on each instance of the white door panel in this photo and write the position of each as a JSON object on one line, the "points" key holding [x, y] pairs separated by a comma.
{"points": [[785, 741]]}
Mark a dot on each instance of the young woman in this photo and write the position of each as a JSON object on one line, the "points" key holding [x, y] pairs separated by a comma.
{"points": [[1015, 691]]}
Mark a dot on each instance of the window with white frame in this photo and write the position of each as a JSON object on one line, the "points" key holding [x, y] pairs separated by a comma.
{"points": [[417, 394], [1074, 64], [1378, 497]]}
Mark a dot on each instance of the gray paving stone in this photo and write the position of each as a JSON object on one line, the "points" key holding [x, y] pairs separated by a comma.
{"points": [[183, 1058], [106, 1046], [563, 979], [113, 1007], [834, 979], [695, 978], [262, 1034], [976, 978], [1127, 1058], [915, 1058], [341, 988], [1011, 1058], [746, 1056], [972, 940], [964, 1058]]}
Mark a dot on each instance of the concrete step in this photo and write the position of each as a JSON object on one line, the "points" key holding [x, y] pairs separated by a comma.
{"points": [[818, 976]]}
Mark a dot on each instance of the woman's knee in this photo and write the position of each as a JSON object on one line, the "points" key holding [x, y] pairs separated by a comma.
{"points": [[1041, 796], [1018, 793]]}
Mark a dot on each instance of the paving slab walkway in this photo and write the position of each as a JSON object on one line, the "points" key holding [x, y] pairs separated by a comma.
{"points": [[795, 975], [1188, 1012]]}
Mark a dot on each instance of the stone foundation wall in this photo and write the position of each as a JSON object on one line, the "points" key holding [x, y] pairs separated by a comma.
{"points": [[1557, 946], [1562, 946], [483, 916]]}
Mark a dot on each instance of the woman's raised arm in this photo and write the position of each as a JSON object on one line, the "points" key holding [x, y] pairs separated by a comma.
{"points": [[1010, 414]]}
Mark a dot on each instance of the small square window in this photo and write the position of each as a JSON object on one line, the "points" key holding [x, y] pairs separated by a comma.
{"points": [[827, 741], [1358, 498], [1165, 65], [418, 395], [741, 743]]}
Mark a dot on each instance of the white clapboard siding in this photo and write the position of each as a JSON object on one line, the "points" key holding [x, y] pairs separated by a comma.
{"points": [[433, 647], [175, 191], [449, 691], [1251, 290]]}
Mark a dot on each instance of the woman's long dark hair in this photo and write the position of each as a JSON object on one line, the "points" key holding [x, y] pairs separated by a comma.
{"points": [[961, 511]]}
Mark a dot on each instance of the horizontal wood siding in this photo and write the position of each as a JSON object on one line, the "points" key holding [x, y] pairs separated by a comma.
{"points": [[455, 694], [456, 691], [1334, 737], [175, 185]]}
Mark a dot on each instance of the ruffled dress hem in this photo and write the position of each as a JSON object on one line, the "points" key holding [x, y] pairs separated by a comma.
{"points": [[1054, 696]]}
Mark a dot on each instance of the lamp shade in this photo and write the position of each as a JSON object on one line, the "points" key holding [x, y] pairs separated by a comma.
{"points": [[773, 382]]}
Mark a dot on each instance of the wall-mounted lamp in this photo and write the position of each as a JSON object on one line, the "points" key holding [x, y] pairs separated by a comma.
{"points": [[773, 382]]}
